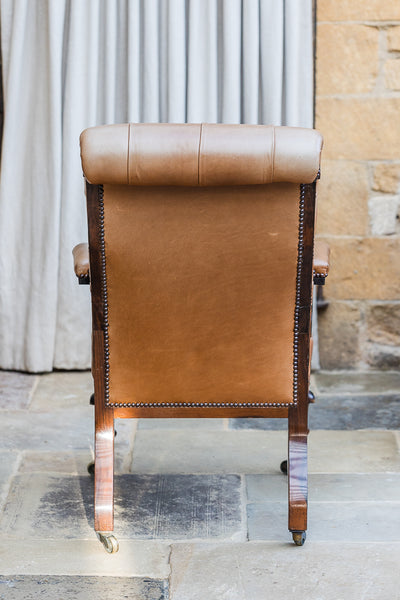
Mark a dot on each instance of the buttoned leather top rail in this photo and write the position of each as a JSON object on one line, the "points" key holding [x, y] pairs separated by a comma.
{"points": [[201, 230], [199, 155]]}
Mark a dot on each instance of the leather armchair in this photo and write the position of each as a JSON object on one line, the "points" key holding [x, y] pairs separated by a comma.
{"points": [[200, 261]]}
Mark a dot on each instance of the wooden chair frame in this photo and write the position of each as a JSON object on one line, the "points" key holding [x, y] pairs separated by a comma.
{"points": [[105, 413]]}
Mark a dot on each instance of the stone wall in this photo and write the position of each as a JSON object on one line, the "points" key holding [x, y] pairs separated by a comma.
{"points": [[358, 112]]}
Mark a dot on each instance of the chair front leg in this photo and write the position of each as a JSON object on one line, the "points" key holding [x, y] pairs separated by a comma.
{"points": [[104, 477], [298, 472]]}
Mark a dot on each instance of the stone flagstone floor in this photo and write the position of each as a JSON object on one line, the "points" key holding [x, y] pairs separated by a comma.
{"points": [[201, 509]]}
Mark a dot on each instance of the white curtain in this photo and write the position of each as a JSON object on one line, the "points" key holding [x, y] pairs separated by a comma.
{"points": [[71, 64]]}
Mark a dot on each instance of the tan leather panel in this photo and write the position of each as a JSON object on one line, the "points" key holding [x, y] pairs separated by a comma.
{"points": [[297, 154], [205, 155], [250, 157], [172, 160], [104, 153], [201, 293]]}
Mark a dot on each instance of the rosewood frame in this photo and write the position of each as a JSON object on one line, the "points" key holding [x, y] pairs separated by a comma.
{"points": [[297, 413]]}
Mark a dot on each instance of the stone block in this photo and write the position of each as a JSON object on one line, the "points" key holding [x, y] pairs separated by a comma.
{"points": [[358, 10], [263, 424], [353, 452], [356, 412], [331, 487], [359, 128], [55, 430], [42, 506], [387, 178], [393, 39], [383, 356], [136, 558], [383, 323], [63, 389], [8, 465], [260, 570], [199, 451], [329, 522], [392, 74], [342, 198], [368, 383], [361, 269], [16, 389], [339, 336], [340, 412], [69, 587], [347, 58], [384, 214]]}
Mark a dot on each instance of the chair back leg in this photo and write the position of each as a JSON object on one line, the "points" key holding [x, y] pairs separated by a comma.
{"points": [[297, 468]]}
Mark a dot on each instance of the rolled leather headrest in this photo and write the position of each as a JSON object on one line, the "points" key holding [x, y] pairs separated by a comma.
{"points": [[199, 155]]}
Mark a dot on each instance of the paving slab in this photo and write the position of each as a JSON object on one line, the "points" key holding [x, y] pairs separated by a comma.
{"points": [[73, 462], [135, 558], [336, 487], [256, 571], [356, 412], [198, 451], [347, 412], [59, 430], [353, 452], [27, 587], [62, 388], [260, 423], [181, 424], [16, 389], [44, 506], [356, 382], [262, 451], [8, 465], [329, 521], [51, 430]]}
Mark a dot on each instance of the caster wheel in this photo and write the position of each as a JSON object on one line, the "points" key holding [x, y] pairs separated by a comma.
{"points": [[311, 397], [299, 537], [90, 468], [109, 542], [283, 467], [91, 401]]}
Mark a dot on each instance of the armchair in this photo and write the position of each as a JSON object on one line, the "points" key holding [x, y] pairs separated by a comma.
{"points": [[201, 270]]}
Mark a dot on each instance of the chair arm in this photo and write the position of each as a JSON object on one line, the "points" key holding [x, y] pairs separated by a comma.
{"points": [[81, 262], [321, 262]]}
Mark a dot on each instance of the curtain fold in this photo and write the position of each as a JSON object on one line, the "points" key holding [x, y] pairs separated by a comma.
{"points": [[68, 65]]}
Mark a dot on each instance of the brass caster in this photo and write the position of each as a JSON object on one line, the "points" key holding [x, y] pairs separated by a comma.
{"points": [[283, 467], [299, 537], [90, 468], [109, 542]]}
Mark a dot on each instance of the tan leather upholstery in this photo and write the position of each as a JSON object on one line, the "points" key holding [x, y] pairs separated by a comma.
{"points": [[321, 258], [201, 236], [199, 155], [201, 293], [201, 250], [81, 259]]}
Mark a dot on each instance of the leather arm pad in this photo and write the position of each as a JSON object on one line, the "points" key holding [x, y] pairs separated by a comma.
{"points": [[81, 262], [321, 262]]}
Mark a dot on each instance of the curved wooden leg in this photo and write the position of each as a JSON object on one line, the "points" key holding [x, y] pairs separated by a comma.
{"points": [[297, 469], [104, 470]]}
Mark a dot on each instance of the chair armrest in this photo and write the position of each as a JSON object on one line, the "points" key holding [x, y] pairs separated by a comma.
{"points": [[321, 262], [81, 262]]}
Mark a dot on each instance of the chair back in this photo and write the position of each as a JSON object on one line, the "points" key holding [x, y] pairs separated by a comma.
{"points": [[202, 237]]}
